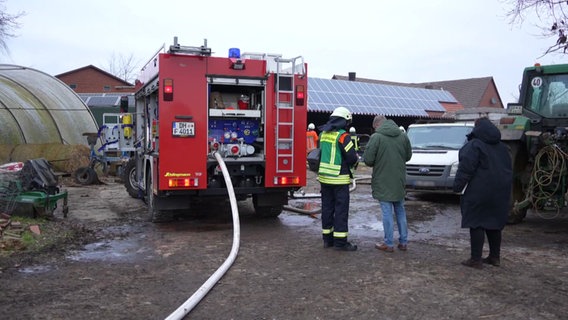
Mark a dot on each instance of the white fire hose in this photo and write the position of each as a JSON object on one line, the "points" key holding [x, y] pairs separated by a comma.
{"points": [[312, 195], [190, 303]]}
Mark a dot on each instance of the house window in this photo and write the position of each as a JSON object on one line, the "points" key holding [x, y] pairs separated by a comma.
{"points": [[106, 88], [73, 86]]}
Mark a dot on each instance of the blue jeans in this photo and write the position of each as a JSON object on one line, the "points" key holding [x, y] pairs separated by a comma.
{"points": [[388, 223]]}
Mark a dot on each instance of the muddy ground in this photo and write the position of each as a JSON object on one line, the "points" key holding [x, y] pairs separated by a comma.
{"points": [[115, 265]]}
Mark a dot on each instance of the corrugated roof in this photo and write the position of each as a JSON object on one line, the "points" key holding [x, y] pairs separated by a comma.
{"points": [[38, 108]]}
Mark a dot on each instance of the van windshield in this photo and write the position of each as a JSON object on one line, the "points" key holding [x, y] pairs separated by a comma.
{"points": [[438, 137]]}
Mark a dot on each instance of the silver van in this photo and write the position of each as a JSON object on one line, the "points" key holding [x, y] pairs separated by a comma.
{"points": [[434, 161]]}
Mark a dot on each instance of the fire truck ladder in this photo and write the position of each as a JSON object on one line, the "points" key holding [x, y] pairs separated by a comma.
{"points": [[285, 113]]}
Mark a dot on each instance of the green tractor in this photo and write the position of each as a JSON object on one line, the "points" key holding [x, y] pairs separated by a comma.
{"points": [[536, 129]]}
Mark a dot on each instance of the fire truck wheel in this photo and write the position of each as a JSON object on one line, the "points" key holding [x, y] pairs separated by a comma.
{"points": [[154, 214], [129, 178], [269, 212], [272, 211], [85, 175], [269, 206]]}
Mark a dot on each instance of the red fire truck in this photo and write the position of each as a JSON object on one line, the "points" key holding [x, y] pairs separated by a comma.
{"points": [[250, 108]]}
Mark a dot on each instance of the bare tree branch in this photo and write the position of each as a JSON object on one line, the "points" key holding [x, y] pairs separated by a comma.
{"points": [[552, 16], [8, 23], [123, 67]]}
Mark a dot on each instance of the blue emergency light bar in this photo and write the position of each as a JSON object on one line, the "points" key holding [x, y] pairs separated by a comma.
{"points": [[234, 53]]}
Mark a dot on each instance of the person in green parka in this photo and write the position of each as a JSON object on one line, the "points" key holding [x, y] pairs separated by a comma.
{"points": [[387, 152]]}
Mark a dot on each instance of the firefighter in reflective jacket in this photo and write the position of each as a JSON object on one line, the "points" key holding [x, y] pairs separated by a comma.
{"points": [[337, 163], [354, 138], [311, 138]]}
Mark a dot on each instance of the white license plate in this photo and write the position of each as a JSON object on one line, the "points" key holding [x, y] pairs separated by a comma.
{"points": [[424, 183], [183, 129]]}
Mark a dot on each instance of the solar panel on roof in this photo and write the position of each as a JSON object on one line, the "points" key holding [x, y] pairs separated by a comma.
{"points": [[95, 101], [370, 98]]}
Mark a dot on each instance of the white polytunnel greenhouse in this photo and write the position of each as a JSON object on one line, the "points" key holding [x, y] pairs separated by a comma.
{"points": [[37, 108]]}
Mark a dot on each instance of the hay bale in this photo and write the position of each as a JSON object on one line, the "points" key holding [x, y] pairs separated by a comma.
{"points": [[63, 157], [5, 152]]}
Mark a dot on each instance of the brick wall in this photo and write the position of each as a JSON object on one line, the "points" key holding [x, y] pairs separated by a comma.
{"points": [[92, 80]]}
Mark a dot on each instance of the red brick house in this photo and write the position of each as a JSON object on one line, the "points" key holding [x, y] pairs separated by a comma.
{"points": [[100, 90], [91, 79]]}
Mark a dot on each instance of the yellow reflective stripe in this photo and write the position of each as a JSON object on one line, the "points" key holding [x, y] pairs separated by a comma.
{"points": [[329, 136], [333, 152], [340, 234], [327, 231], [349, 146], [325, 170], [330, 166], [341, 179]]}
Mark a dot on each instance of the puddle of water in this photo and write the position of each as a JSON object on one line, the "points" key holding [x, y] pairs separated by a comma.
{"points": [[35, 269], [300, 220], [110, 250], [365, 219]]}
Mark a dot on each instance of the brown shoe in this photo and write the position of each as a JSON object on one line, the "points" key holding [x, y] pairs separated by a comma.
{"points": [[476, 264], [384, 247], [402, 247]]}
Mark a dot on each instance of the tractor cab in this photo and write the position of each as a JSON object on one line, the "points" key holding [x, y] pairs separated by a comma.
{"points": [[543, 97]]}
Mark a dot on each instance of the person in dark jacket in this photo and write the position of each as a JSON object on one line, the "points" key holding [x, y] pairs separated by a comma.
{"points": [[338, 159], [484, 178], [387, 152]]}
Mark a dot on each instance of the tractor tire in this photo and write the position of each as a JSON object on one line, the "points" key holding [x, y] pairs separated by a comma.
{"points": [[519, 155], [129, 178], [85, 176]]}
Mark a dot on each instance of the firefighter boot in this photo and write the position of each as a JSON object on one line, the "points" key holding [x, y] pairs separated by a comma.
{"points": [[347, 246], [327, 241]]}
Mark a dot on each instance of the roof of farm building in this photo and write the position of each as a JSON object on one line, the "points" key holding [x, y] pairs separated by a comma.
{"points": [[370, 98], [469, 92], [38, 108]]}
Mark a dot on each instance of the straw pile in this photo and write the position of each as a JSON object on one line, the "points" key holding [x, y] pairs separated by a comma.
{"points": [[5, 151], [63, 157]]}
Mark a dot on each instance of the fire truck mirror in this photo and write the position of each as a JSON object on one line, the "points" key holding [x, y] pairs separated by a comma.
{"points": [[124, 104]]}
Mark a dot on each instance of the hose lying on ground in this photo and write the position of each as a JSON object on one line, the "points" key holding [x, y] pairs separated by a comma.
{"points": [[188, 305]]}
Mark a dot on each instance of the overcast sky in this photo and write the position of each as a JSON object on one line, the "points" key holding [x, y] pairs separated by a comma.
{"points": [[397, 40]]}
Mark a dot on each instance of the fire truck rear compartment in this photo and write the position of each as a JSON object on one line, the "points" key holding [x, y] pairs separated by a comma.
{"points": [[244, 176]]}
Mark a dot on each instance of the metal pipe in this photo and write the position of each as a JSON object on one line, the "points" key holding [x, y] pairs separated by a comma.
{"points": [[190, 303]]}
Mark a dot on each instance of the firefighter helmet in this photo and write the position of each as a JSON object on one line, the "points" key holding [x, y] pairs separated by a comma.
{"points": [[342, 112], [352, 130], [311, 126]]}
